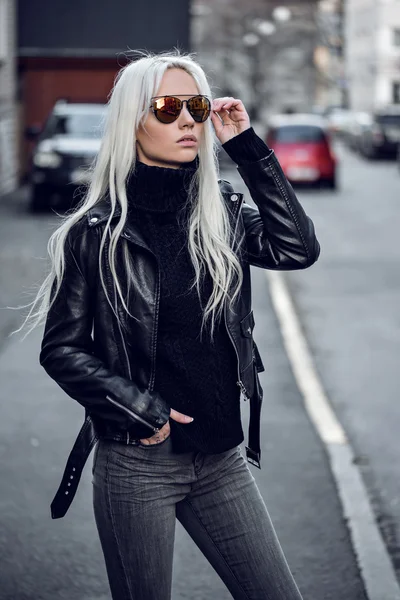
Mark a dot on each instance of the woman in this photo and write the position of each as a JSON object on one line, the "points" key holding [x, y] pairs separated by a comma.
{"points": [[149, 326]]}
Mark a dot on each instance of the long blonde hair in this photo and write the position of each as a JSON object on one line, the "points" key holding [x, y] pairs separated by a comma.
{"points": [[209, 227]]}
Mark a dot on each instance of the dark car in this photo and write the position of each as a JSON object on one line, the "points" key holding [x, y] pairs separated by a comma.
{"points": [[302, 144], [63, 153], [381, 138]]}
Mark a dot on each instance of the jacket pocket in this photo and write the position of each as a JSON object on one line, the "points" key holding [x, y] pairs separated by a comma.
{"points": [[247, 325], [246, 341]]}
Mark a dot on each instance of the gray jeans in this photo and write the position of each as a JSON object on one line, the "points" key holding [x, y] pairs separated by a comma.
{"points": [[139, 491]]}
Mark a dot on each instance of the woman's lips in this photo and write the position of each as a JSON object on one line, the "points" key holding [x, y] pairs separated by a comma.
{"points": [[187, 143]]}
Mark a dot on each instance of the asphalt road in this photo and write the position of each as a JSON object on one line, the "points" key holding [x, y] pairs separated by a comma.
{"points": [[348, 304], [45, 559]]}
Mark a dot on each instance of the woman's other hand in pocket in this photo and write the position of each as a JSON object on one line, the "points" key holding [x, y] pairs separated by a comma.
{"points": [[165, 430]]}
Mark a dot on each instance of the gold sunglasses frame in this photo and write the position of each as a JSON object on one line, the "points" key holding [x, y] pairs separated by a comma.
{"points": [[183, 101]]}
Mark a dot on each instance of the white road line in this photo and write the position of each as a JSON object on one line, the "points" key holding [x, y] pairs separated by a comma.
{"points": [[373, 559]]}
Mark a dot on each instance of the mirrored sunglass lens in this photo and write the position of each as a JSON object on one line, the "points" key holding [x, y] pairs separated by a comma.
{"points": [[199, 108], [167, 109]]}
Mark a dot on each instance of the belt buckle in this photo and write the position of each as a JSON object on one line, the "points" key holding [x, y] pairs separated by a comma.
{"points": [[253, 457]]}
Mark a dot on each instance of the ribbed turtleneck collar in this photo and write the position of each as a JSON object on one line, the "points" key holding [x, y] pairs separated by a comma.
{"points": [[160, 189]]}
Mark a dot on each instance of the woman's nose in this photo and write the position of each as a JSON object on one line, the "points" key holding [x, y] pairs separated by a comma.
{"points": [[185, 115]]}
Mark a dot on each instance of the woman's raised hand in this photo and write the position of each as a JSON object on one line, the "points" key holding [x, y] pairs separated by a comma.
{"points": [[229, 117]]}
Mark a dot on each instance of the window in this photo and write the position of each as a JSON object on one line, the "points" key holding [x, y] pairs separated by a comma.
{"points": [[388, 120], [4, 24], [396, 92], [292, 134], [396, 37], [83, 124]]}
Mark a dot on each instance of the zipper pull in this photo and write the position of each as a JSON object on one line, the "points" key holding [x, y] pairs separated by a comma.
{"points": [[243, 390]]}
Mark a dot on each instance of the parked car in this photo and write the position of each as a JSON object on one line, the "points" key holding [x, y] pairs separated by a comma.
{"points": [[358, 123], [64, 150], [338, 120], [303, 146], [382, 137]]}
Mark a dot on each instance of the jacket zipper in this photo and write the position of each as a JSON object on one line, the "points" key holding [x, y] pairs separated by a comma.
{"points": [[123, 340], [120, 329], [132, 414], [126, 410], [152, 371], [239, 382], [155, 429]]}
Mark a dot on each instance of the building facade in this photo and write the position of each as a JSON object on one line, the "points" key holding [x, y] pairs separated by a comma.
{"points": [[8, 98], [372, 53], [73, 50], [260, 51], [331, 89]]}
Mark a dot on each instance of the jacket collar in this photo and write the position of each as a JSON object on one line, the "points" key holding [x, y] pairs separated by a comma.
{"points": [[100, 213]]}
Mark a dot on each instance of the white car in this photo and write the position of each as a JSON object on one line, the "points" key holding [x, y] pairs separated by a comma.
{"points": [[64, 151]]}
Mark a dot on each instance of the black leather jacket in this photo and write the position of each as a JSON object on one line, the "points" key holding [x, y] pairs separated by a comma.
{"points": [[108, 365]]}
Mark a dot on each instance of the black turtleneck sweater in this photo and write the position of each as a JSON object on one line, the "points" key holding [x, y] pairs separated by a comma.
{"points": [[196, 377]]}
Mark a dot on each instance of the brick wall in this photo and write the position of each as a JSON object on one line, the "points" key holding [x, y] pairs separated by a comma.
{"points": [[8, 106]]}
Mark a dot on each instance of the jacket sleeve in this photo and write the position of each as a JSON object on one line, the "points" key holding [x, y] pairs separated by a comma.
{"points": [[279, 235], [68, 353]]}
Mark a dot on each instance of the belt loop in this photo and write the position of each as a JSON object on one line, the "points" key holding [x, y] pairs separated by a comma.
{"points": [[127, 437]]}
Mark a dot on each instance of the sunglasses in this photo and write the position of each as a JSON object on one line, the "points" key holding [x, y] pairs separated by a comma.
{"points": [[168, 108]]}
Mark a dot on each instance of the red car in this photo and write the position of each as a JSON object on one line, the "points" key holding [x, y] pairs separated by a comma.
{"points": [[303, 146]]}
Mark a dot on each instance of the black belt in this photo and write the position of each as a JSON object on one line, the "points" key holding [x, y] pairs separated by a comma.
{"points": [[79, 454], [253, 450], [87, 439]]}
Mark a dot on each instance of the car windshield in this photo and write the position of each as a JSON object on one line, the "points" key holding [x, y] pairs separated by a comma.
{"points": [[388, 120], [292, 134], [85, 124]]}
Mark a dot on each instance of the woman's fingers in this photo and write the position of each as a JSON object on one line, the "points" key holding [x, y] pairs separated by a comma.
{"points": [[227, 103], [180, 417], [165, 429], [159, 436], [229, 118]]}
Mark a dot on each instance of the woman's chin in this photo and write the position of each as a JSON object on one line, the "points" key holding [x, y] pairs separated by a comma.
{"points": [[188, 155]]}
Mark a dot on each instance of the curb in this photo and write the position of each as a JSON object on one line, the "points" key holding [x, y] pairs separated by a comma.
{"points": [[375, 565]]}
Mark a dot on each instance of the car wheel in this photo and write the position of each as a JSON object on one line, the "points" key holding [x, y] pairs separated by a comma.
{"points": [[39, 201], [332, 183], [370, 152]]}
